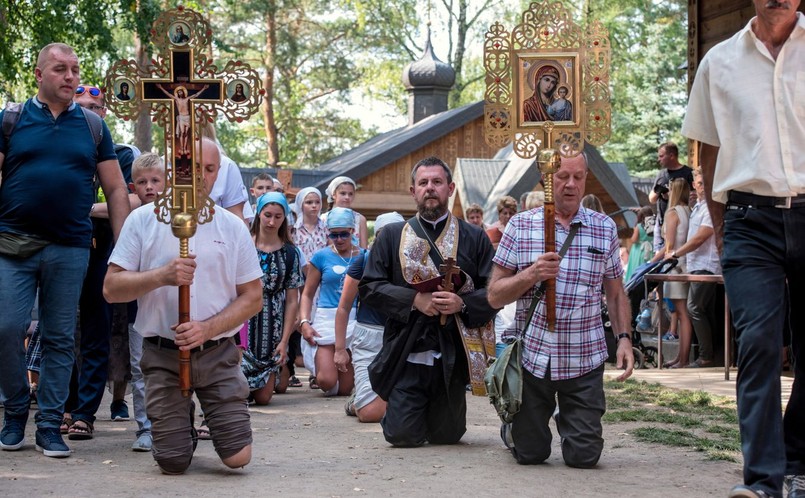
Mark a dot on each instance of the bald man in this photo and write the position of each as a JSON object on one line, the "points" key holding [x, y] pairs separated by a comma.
{"points": [[225, 287], [567, 363]]}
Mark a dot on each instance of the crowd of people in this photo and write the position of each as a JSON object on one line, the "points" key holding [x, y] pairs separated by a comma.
{"points": [[275, 285]]}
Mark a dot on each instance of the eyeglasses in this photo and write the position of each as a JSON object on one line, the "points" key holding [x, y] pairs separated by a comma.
{"points": [[339, 235], [93, 90]]}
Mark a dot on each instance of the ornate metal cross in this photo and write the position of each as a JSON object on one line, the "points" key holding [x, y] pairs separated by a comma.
{"points": [[547, 91], [185, 90]]}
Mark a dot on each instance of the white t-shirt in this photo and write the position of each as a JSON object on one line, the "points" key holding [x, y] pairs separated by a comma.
{"points": [[225, 257], [704, 257], [229, 188]]}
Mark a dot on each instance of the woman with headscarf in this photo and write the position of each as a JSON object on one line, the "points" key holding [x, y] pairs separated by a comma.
{"points": [[341, 193], [535, 107], [309, 234], [367, 337], [310, 231], [326, 273], [270, 329]]}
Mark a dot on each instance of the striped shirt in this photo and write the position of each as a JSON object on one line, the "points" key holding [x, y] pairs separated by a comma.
{"points": [[577, 347]]}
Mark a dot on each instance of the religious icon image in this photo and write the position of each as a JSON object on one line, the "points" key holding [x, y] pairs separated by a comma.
{"points": [[238, 91], [561, 109], [124, 90], [547, 85], [181, 102], [179, 33]]}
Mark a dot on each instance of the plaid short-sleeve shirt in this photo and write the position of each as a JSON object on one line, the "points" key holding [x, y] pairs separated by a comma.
{"points": [[577, 347]]}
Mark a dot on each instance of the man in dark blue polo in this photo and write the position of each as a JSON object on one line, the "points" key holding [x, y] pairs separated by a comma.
{"points": [[47, 164]]}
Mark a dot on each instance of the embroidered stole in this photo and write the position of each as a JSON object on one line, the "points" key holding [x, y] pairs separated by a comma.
{"points": [[422, 273]]}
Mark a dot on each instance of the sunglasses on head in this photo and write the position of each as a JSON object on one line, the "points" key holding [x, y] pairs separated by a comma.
{"points": [[339, 235], [93, 91]]}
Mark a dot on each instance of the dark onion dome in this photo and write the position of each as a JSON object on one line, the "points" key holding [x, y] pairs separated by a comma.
{"points": [[428, 71]]}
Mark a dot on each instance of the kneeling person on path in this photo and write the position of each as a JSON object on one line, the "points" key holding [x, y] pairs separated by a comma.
{"points": [[224, 275], [570, 361], [422, 370]]}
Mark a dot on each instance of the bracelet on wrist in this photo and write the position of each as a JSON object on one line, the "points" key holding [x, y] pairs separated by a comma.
{"points": [[303, 321], [624, 335]]}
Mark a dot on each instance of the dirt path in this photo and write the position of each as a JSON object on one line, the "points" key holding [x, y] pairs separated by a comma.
{"points": [[306, 446]]}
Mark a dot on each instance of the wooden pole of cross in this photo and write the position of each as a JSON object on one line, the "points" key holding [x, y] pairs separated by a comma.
{"points": [[183, 90], [547, 93]]}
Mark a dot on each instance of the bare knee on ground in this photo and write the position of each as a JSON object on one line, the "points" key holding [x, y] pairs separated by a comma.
{"points": [[239, 459]]}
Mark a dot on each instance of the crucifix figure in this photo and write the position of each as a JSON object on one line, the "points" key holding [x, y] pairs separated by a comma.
{"points": [[176, 90], [448, 269], [182, 105]]}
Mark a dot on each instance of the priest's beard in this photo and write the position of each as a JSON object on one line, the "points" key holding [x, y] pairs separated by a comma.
{"points": [[431, 213]]}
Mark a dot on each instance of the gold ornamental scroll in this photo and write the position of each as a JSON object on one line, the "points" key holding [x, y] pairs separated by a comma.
{"points": [[547, 92], [183, 90]]}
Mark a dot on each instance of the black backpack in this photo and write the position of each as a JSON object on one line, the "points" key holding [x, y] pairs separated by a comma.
{"points": [[13, 111]]}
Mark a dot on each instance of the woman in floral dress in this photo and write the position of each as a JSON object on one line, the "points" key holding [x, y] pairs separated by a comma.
{"points": [[270, 329]]}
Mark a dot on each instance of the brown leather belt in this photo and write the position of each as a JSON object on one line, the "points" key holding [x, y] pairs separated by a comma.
{"points": [[754, 200]]}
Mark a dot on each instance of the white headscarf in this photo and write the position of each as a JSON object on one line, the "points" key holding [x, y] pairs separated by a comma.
{"points": [[387, 218], [337, 181], [299, 201]]}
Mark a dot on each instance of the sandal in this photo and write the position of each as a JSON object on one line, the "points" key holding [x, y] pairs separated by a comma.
{"points": [[81, 430], [66, 423], [312, 382], [203, 431], [294, 382]]}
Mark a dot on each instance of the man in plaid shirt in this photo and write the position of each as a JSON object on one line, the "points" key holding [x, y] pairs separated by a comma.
{"points": [[570, 361]]}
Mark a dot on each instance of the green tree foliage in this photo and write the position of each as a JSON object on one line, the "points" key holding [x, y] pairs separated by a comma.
{"points": [[306, 51], [397, 31], [648, 79], [316, 57], [28, 25]]}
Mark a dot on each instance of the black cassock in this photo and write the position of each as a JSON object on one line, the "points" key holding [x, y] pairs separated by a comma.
{"points": [[425, 403]]}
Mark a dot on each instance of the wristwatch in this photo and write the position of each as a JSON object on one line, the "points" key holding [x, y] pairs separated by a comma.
{"points": [[625, 335]]}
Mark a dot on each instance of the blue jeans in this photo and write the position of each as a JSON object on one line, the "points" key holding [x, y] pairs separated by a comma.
{"points": [[763, 249], [138, 381], [57, 271], [91, 372]]}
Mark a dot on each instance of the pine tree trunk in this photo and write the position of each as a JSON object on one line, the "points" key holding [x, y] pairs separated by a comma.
{"points": [[268, 86], [142, 127]]}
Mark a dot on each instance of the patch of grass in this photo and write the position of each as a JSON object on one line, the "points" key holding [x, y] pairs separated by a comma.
{"points": [[692, 419], [650, 415], [673, 437], [715, 455], [723, 430]]}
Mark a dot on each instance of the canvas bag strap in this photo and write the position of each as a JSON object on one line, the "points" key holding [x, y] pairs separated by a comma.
{"points": [[541, 290]]}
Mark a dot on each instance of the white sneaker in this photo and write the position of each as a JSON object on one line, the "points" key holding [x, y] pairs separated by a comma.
{"points": [[794, 486], [143, 443]]}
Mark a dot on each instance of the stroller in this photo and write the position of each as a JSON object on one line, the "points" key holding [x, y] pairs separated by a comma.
{"points": [[637, 292]]}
